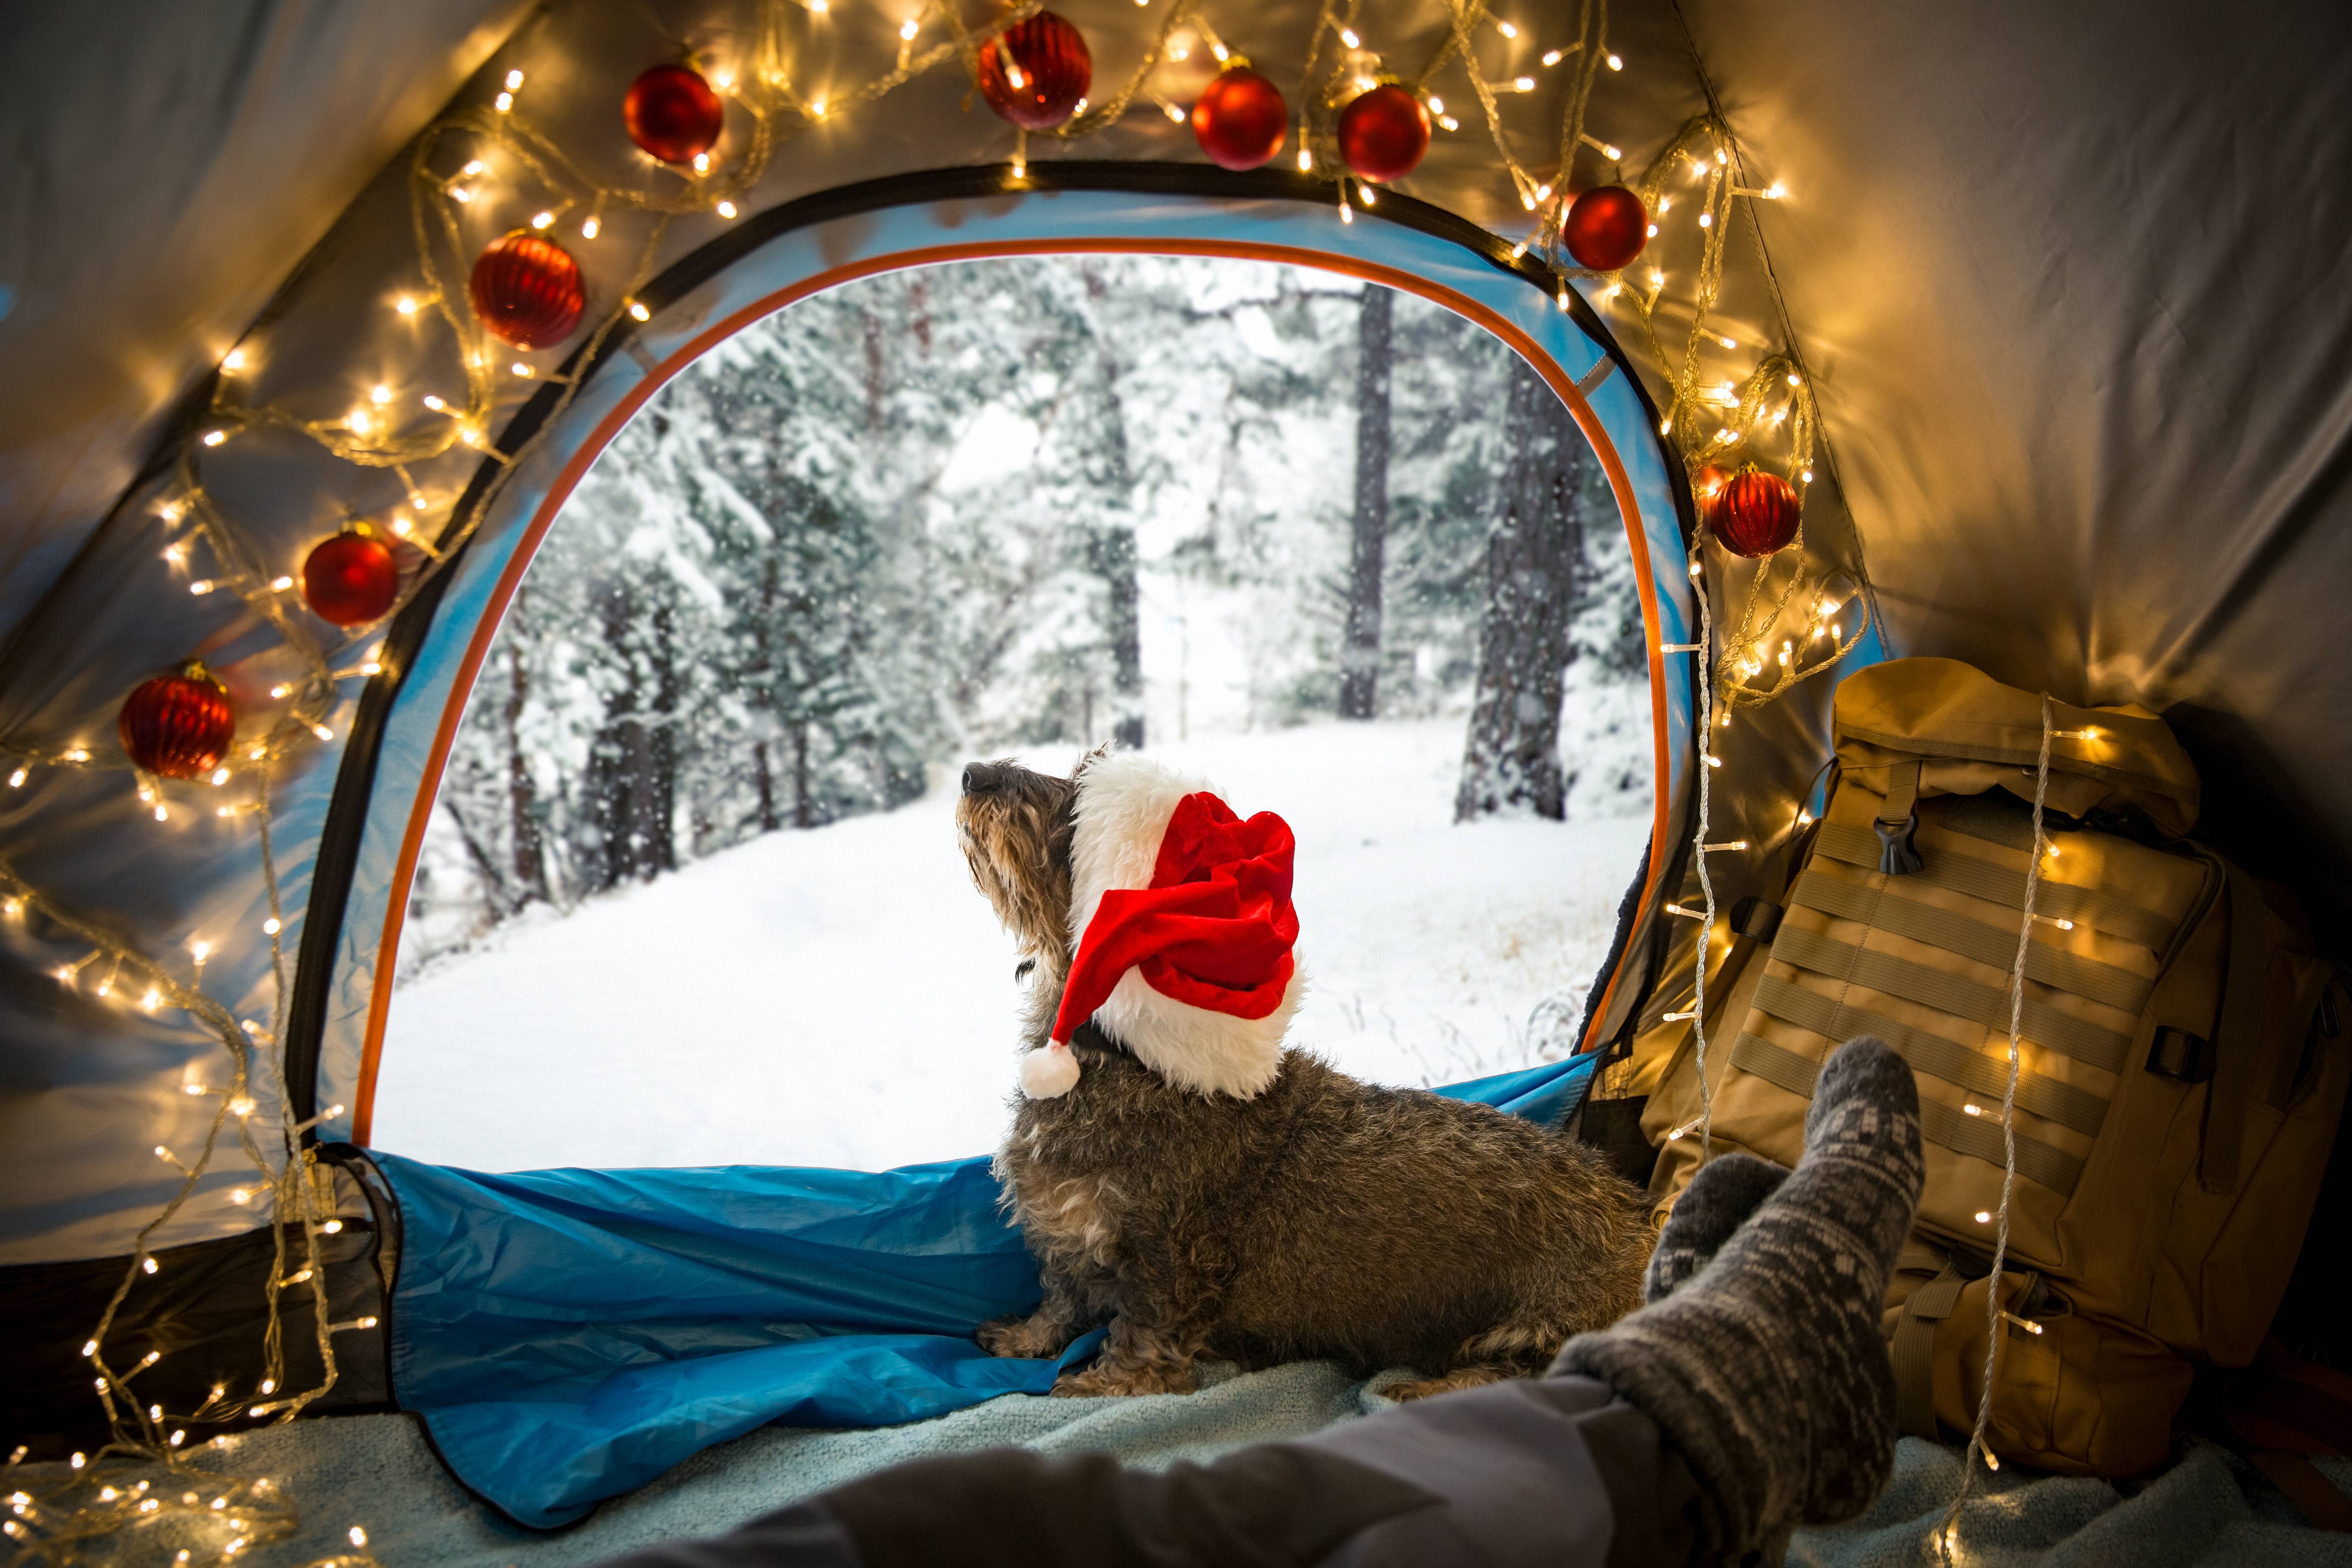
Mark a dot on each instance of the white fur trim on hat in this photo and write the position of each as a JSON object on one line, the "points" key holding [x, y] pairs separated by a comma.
{"points": [[1124, 802]]}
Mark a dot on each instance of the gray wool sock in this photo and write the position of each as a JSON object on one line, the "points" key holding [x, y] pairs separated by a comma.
{"points": [[1718, 1202], [1767, 1368]]}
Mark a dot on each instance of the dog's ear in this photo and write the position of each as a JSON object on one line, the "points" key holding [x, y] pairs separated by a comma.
{"points": [[1091, 758]]}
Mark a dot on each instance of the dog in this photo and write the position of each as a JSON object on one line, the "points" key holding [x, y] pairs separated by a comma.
{"points": [[1315, 1217]]}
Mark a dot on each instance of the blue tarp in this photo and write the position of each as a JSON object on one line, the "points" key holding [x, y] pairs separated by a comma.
{"points": [[568, 1335]]}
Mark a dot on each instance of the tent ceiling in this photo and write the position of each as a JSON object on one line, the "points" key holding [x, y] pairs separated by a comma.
{"points": [[163, 169]]}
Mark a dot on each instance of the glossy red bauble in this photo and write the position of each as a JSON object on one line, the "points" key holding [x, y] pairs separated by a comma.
{"points": [[1605, 228], [350, 579], [1754, 513], [527, 290], [1383, 132], [1239, 120], [673, 114], [179, 725], [1034, 72]]}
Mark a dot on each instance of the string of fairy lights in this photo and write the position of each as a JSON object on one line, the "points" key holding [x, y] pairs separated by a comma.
{"points": [[1356, 120]]}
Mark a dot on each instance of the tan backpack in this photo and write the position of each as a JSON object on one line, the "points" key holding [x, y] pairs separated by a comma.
{"points": [[2182, 1057]]}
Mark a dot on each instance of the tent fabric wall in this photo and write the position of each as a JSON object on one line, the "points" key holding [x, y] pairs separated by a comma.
{"points": [[2071, 282], [164, 170]]}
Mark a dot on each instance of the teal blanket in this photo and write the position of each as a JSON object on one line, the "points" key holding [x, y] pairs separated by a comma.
{"points": [[2205, 1511]]}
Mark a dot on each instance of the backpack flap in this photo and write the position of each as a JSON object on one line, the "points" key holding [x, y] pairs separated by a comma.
{"points": [[1936, 726]]}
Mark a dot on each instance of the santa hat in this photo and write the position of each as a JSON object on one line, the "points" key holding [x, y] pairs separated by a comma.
{"points": [[1184, 930]]}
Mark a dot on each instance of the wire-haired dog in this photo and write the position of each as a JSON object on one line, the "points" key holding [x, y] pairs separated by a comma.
{"points": [[1216, 1194]]}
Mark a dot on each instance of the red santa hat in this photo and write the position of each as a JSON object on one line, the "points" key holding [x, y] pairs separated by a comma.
{"points": [[1185, 931]]}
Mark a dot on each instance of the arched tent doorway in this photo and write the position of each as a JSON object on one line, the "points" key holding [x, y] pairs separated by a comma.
{"points": [[791, 262]]}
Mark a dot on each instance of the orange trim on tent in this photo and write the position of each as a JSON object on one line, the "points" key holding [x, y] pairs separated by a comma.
{"points": [[577, 465]]}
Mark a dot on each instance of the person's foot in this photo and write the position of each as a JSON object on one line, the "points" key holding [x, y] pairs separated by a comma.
{"points": [[1767, 1368], [1718, 1201]]}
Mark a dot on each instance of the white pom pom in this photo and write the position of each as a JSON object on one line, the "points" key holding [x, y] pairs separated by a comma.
{"points": [[1049, 1073]]}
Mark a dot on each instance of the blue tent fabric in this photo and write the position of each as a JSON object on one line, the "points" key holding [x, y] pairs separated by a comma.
{"points": [[565, 1336]]}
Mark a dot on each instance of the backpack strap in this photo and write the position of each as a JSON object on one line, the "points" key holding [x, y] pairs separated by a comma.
{"points": [[1898, 819], [1911, 1351], [2244, 995]]}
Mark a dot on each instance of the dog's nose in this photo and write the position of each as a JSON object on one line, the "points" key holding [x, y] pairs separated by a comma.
{"points": [[979, 778]]}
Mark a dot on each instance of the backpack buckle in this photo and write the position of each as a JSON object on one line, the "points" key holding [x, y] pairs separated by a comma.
{"points": [[2178, 1054]]}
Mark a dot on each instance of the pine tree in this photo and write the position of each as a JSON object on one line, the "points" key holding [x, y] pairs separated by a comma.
{"points": [[1360, 656]]}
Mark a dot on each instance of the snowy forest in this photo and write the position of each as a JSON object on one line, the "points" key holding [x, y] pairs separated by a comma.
{"points": [[1026, 507]]}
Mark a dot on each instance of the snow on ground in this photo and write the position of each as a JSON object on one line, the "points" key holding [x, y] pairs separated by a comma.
{"points": [[845, 997]]}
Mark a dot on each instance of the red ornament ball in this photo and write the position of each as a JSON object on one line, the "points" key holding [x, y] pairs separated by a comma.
{"points": [[1606, 227], [527, 290], [1383, 132], [1754, 513], [1034, 72], [1239, 120], [673, 114], [177, 726], [350, 579]]}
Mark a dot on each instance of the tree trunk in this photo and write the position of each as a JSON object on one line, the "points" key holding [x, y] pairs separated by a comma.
{"points": [[612, 769], [1511, 759], [1359, 657], [1112, 550], [803, 808], [659, 835], [522, 792], [763, 692]]}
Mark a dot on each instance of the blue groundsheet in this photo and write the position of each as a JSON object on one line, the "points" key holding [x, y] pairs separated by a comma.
{"points": [[568, 1335]]}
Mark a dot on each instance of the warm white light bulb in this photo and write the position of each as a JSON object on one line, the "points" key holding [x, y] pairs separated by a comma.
{"points": [[637, 309], [726, 209], [1347, 37], [908, 28], [503, 102], [514, 81], [1551, 57], [233, 360], [1616, 62], [541, 219], [589, 225]]}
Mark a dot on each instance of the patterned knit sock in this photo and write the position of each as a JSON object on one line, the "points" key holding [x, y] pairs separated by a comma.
{"points": [[1766, 1370], [1718, 1202]]}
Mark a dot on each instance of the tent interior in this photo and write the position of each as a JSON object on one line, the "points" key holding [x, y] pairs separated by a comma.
{"points": [[2026, 321]]}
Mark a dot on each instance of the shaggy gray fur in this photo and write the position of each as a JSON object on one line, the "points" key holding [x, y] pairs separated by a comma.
{"points": [[1322, 1217], [1718, 1202], [1766, 1370]]}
